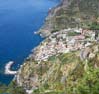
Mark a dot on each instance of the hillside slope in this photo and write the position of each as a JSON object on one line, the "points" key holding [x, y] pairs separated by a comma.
{"points": [[75, 72], [71, 14], [62, 74]]}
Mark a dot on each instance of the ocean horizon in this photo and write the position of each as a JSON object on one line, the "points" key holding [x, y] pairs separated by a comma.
{"points": [[19, 19]]}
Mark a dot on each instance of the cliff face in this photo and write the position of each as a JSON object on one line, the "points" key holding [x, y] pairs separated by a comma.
{"points": [[71, 13]]}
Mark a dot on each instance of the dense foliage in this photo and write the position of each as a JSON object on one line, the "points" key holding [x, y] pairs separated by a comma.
{"points": [[84, 80], [11, 89], [94, 26]]}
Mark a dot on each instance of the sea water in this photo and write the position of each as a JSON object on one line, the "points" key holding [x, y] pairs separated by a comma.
{"points": [[18, 20]]}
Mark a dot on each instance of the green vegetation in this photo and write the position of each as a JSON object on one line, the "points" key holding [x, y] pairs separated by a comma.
{"points": [[73, 33], [64, 73], [61, 74], [87, 84], [94, 26], [55, 30], [79, 13], [83, 79], [11, 89]]}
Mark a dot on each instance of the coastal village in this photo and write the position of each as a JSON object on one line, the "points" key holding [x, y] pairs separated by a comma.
{"points": [[64, 41], [60, 42], [67, 60]]}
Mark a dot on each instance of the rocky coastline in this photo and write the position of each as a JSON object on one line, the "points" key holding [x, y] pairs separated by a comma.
{"points": [[62, 44], [42, 32], [46, 29]]}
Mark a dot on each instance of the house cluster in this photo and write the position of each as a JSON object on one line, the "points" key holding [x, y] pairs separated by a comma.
{"points": [[61, 42]]}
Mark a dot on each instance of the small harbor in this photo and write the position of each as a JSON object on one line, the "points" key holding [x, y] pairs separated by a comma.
{"points": [[8, 70]]}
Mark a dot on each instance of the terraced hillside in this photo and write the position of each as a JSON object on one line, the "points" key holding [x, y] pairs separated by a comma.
{"points": [[71, 14], [63, 74], [76, 72]]}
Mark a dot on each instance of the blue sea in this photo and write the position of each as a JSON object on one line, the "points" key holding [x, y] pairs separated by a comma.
{"points": [[19, 19]]}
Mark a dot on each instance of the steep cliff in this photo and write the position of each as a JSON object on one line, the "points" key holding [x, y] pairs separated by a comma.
{"points": [[75, 72], [62, 74], [70, 14]]}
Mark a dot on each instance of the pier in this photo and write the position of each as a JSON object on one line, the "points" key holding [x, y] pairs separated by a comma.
{"points": [[8, 70]]}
